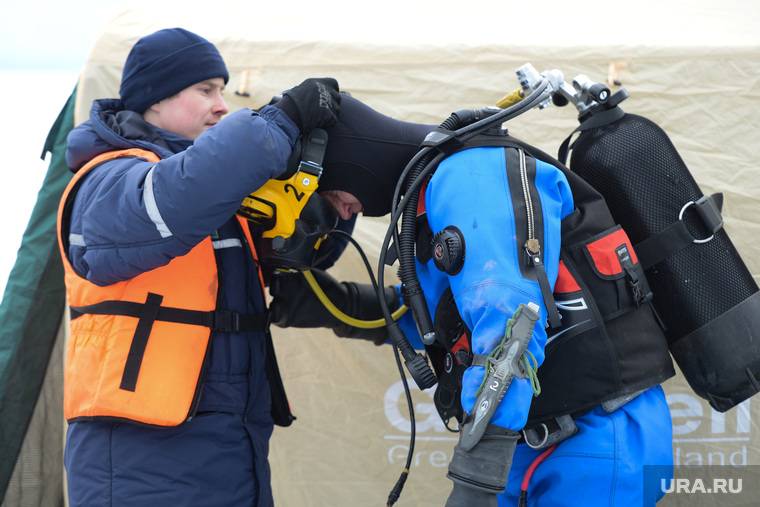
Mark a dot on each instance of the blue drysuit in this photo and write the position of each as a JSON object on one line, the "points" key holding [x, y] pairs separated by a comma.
{"points": [[603, 463], [131, 216]]}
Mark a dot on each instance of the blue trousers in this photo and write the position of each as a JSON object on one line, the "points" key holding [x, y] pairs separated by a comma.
{"points": [[603, 464], [210, 460]]}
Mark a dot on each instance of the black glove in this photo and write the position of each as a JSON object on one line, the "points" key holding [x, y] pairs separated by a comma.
{"points": [[294, 304], [315, 103], [480, 474]]}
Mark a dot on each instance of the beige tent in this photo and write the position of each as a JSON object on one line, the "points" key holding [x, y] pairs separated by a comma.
{"points": [[692, 67]]}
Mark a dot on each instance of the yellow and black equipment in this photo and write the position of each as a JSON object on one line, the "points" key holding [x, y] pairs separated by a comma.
{"points": [[295, 220]]}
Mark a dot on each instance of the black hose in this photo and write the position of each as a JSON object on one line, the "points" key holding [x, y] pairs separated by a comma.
{"points": [[408, 238]]}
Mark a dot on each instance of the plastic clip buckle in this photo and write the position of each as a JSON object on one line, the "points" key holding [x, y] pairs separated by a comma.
{"points": [[226, 321]]}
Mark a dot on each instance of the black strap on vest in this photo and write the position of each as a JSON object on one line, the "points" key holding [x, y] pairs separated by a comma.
{"points": [[218, 320], [534, 261], [140, 341], [151, 311]]}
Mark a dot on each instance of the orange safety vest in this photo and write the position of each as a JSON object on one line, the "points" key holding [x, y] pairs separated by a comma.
{"points": [[137, 348]]}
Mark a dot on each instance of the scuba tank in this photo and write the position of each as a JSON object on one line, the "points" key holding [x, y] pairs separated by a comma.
{"points": [[705, 296]]}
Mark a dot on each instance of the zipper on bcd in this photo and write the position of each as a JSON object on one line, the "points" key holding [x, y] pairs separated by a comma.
{"points": [[532, 247]]}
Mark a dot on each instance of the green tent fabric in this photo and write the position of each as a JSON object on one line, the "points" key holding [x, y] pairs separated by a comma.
{"points": [[30, 317]]}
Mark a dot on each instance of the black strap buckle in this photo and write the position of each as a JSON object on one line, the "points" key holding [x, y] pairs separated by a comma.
{"points": [[225, 321], [633, 282]]}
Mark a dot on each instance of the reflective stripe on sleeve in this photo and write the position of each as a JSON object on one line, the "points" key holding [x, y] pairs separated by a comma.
{"points": [[227, 243], [76, 240], [152, 207]]}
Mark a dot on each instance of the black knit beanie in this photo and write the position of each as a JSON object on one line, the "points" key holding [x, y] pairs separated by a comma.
{"points": [[366, 154], [165, 63]]}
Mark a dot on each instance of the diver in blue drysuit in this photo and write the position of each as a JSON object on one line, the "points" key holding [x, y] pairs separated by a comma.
{"points": [[600, 465]]}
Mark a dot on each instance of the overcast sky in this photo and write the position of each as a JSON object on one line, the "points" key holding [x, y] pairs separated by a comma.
{"points": [[51, 34], [43, 46]]}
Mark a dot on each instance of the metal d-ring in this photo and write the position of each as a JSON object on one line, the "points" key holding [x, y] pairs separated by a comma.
{"points": [[543, 442], [680, 217]]}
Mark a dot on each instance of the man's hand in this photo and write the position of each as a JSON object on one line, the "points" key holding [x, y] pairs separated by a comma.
{"points": [[315, 103], [294, 304]]}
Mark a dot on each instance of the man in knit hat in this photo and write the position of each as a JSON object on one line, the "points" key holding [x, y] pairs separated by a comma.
{"points": [[171, 384]]}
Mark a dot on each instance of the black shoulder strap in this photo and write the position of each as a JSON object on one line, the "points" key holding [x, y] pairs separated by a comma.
{"points": [[597, 120]]}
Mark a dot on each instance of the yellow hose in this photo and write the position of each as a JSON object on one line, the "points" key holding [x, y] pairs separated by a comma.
{"points": [[511, 99], [363, 324]]}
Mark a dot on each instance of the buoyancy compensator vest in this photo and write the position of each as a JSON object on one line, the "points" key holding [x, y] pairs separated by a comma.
{"points": [[704, 294], [607, 344]]}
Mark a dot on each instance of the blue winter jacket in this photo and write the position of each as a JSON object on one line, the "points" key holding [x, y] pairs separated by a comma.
{"points": [[132, 216]]}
